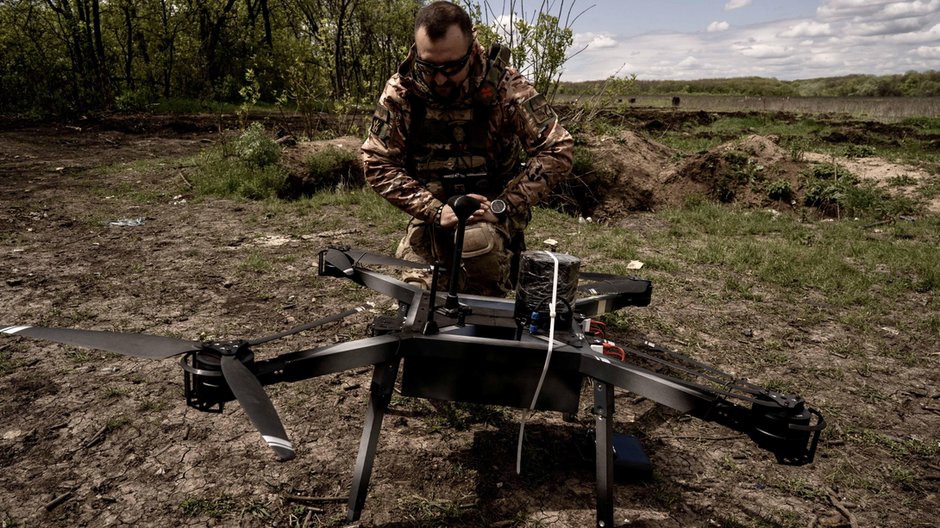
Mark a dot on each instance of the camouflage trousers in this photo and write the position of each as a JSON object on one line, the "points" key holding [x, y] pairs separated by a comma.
{"points": [[490, 254]]}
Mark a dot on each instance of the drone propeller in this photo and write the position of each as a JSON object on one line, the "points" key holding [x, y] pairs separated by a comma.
{"points": [[242, 382], [139, 345], [257, 405], [311, 325]]}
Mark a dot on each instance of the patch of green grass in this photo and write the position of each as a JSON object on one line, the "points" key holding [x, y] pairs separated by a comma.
{"points": [[422, 511], [363, 204], [836, 258], [916, 147], [215, 507], [219, 175], [792, 134], [256, 262], [859, 151], [117, 422], [245, 167], [799, 487], [332, 164], [78, 355], [768, 256], [899, 449], [6, 362], [114, 392], [904, 477]]}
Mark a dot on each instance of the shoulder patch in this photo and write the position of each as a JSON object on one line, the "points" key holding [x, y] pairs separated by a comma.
{"points": [[381, 123], [539, 112]]}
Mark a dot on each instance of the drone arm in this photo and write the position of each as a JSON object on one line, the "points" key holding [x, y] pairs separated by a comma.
{"points": [[639, 381], [306, 364], [608, 297], [777, 423]]}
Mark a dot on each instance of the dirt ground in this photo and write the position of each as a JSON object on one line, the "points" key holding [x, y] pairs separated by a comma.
{"points": [[95, 439]]}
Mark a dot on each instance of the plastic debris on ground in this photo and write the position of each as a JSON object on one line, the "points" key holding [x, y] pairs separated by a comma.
{"points": [[128, 222]]}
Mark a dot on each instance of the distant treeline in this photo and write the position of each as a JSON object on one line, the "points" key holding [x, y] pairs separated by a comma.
{"points": [[76, 56], [910, 84], [71, 56]]}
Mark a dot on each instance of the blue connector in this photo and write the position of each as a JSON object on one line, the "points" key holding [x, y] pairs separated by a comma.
{"points": [[533, 323]]}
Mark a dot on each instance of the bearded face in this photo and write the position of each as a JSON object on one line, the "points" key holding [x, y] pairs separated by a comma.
{"points": [[444, 64]]}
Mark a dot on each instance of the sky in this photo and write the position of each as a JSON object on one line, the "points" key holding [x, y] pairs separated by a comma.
{"points": [[784, 39]]}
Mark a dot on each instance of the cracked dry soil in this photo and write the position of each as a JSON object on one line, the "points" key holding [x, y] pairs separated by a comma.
{"points": [[95, 439]]}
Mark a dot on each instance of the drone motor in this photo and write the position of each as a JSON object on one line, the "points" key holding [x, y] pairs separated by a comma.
{"points": [[203, 382], [784, 426]]}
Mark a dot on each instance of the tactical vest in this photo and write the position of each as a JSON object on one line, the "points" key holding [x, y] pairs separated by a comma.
{"points": [[448, 148]]}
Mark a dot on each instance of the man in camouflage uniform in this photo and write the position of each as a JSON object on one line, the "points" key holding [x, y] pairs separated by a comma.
{"points": [[457, 119]]}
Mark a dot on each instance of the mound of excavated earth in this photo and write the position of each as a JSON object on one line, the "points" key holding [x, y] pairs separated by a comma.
{"points": [[615, 175]]}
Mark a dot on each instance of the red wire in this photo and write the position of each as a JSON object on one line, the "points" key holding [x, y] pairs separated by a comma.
{"points": [[615, 352]]}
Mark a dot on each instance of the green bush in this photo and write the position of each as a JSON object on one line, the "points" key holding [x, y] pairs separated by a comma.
{"points": [[831, 172], [859, 151], [778, 190], [582, 161], [255, 147], [833, 189], [220, 172], [329, 161], [132, 101]]}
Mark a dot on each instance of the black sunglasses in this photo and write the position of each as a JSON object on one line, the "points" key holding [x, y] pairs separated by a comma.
{"points": [[447, 69]]}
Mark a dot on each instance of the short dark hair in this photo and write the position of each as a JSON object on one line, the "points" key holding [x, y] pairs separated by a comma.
{"points": [[437, 17]]}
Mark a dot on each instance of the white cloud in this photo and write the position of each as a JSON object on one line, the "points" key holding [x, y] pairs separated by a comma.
{"points": [[842, 37], [716, 26], [848, 8], [736, 4], [927, 52], [887, 27], [910, 9], [765, 51], [807, 28], [593, 41], [824, 59]]}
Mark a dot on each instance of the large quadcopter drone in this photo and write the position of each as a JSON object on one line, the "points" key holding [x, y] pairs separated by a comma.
{"points": [[534, 351]]}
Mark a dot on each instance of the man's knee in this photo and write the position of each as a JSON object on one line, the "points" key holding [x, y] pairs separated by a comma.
{"points": [[487, 259]]}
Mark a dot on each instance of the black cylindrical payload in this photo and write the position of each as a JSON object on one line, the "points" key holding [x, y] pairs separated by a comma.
{"points": [[534, 290]]}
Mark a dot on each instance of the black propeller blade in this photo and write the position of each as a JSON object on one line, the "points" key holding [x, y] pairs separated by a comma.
{"points": [[243, 383], [311, 325], [250, 394], [140, 345]]}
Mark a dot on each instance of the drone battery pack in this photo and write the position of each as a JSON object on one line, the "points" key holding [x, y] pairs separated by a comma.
{"points": [[540, 275]]}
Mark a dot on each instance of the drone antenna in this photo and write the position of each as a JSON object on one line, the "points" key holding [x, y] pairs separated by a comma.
{"points": [[464, 207]]}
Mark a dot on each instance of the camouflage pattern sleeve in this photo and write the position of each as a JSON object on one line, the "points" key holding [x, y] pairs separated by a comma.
{"points": [[383, 156], [548, 145]]}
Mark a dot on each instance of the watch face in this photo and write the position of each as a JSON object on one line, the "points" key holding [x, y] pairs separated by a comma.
{"points": [[498, 207]]}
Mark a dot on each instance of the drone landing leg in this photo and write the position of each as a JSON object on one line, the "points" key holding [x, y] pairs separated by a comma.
{"points": [[603, 431], [383, 382]]}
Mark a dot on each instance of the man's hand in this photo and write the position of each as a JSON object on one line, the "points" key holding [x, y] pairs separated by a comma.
{"points": [[483, 214]]}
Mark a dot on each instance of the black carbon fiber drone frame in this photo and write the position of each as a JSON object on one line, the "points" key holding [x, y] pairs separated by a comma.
{"points": [[480, 356], [473, 349]]}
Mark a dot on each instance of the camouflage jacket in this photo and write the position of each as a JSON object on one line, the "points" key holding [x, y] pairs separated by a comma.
{"points": [[519, 120]]}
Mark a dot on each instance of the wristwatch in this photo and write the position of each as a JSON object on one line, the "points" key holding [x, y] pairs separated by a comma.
{"points": [[498, 208]]}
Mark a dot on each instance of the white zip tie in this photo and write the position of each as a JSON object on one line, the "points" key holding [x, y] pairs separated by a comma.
{"points": [[548, 358]]}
